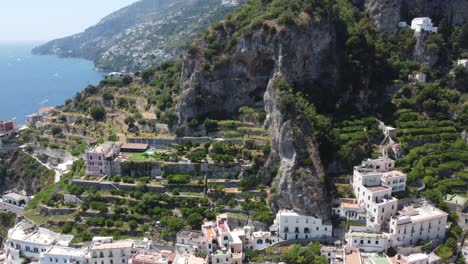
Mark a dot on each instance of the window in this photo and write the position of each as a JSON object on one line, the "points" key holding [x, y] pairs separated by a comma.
{"points": [[123, 260], [326, 228], [297, 220], [317, 228], [383, 210], [368, 241], [361, 242], [307, 219], [56, 260], [376, 242]]}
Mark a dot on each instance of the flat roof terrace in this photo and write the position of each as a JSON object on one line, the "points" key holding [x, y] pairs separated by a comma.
{"points": [[378, 188]]}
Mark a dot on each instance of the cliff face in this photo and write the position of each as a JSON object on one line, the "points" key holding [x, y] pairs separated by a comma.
{"points": [[23, 173], [387, 13], [250, 78]]}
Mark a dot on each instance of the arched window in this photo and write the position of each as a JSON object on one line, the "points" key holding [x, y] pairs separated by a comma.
{"points": [[259, 241]]}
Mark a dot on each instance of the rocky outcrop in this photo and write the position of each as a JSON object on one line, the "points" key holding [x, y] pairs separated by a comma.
{"points": [[250, 78], [387, 13], [424, 53], [24, 173]]}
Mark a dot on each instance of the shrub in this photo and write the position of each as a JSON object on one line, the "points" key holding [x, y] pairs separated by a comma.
{"points": [[178, 179]]}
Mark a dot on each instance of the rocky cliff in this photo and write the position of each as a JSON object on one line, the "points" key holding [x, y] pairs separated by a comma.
{"points": [[142, 34], [387, 13], [249, 77], [21, 172]]}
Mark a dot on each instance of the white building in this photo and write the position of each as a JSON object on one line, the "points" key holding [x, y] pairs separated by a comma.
{"points": [[367, 241], [374, 181], [349, 209], [417, 77], [263, 239], [333, 254], [29, 241], [191, 241], [16, 199], [425, 223], [463, 62], [63, 255], [149, 258], [423, 24], [111, 252], [396, 180], [292, 225], [417, 258]]}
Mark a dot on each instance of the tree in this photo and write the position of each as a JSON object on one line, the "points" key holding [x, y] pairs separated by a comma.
{"points": [[444, 252], [107, 96], [132, 224], [98, 112], [194, 220], [129, 121]]}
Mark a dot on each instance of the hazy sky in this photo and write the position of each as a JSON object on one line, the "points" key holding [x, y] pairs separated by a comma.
{"points": [[50, 19]]}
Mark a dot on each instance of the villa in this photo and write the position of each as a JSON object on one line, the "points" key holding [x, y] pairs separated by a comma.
{"points": [[424, 223], [423, 24], [290, 225]]}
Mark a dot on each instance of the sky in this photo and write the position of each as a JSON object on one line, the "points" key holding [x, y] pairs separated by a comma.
{"points": [[42, 20]]}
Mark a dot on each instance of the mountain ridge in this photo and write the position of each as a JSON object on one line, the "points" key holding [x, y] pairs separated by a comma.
{"points": [[140, 35]]}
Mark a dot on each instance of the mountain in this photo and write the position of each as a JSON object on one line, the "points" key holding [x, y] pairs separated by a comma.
{"points": [[309, 64], [310, 77], [142, 34]]}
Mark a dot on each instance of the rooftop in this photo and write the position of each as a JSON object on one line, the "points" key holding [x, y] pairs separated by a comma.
{"points": [[378, 188], [353, 258], [420, 213], [455, 199], [380, 260], [149, 257], [39, 236], [367, 235], [392, 174], [134, 146], [350, 205], [66, 251], [113, 245], [15, 196]]}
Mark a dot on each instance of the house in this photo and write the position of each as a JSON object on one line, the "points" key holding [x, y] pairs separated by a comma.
{"points": [[417, 77], [423, 24], [349, 209], [367, 240], [458, 204], [463, 62], [221, 244], [7, 127], [417, 258], [109, 251], [16, 199], [191, 241], [28, 240], [149, 258], [333, 254], [374, 181], [263, 239], [290, 225], [99, 159], [395, 180], [58, 254], [424, 223]]}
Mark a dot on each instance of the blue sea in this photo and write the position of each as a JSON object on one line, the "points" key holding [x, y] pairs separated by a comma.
{"points": [[29, 82]]}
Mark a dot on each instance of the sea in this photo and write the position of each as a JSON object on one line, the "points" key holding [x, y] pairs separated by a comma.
{"points": [[29, 82]]}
